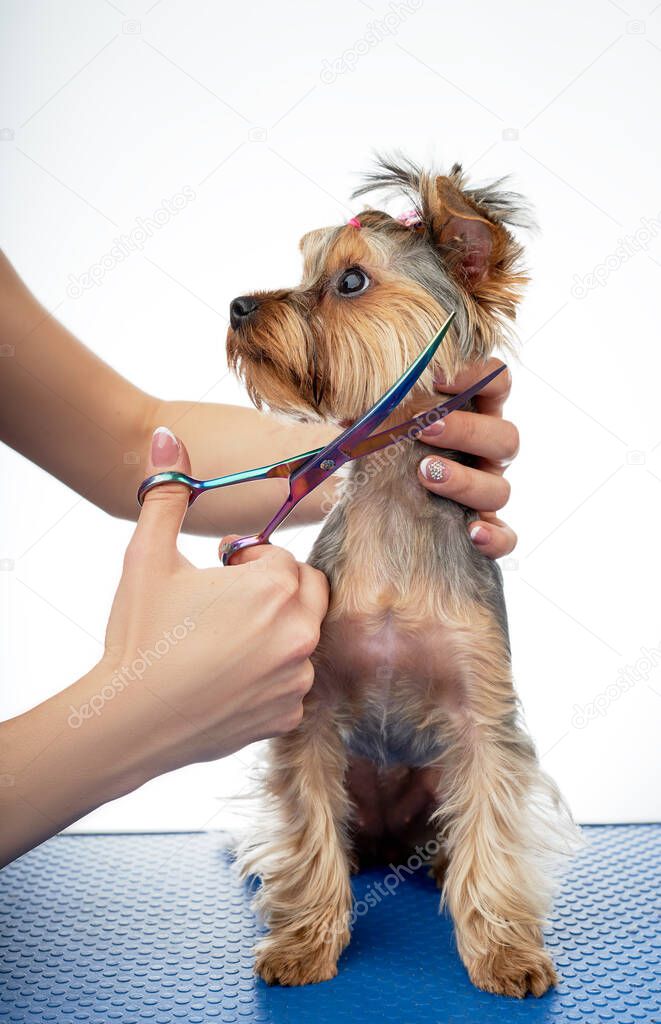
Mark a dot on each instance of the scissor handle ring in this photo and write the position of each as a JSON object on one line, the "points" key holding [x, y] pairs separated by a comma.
{"points": [[171, 476], [230, 547]]}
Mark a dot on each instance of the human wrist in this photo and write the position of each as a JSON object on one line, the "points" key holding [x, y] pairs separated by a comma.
{"points": [[89, 744], [103, 723], [121, 711]]}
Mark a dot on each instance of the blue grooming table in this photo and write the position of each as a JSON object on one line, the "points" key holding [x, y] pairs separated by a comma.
{"points": [[157, 928]]}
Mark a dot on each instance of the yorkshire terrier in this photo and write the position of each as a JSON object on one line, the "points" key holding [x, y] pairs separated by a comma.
{"points": [[413, 666]]}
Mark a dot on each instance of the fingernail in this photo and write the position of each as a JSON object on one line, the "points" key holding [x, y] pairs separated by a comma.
{"points": [[479, 535], [164, 447], [434, 469], [434, 429]]}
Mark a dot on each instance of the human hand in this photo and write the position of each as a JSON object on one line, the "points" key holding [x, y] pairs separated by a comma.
{"points": [[495, 443], [235, 641]]}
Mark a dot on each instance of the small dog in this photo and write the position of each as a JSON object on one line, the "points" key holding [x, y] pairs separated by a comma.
{"points": [[413, 664]]}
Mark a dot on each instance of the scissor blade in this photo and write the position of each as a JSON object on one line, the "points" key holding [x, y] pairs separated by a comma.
{"points": [[457, 401], [394, 395], [411, 428], [335, 453]]}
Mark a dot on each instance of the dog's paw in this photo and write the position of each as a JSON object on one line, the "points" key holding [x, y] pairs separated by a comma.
{"points": [[284, 967], [514, 972]]}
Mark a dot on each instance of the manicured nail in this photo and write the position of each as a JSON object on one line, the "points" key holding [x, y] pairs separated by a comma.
{"points": [[434, 469], [164, 447], [479, 535], [434, 429]]}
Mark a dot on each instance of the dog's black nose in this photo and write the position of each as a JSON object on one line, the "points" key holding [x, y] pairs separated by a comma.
{"points": [[241, 308]]}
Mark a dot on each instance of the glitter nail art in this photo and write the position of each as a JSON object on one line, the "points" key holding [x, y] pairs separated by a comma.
{"points": [[434, 470]]}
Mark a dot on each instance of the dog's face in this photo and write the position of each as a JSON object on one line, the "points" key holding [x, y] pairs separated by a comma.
{"points": [[373, 293]]}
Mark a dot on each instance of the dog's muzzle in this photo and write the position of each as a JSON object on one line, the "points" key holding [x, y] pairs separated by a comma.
{"points": [[241, 309]]}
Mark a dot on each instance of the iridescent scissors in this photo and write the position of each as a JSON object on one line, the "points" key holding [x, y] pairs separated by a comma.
{"points": [[309, 470]]}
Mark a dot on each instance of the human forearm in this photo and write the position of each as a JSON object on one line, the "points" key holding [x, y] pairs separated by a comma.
{"points": [[57, 765], [224, 439], [73, 415], [62, 407]]}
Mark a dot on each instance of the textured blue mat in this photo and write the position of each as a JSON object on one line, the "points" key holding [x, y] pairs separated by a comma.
{"points": [[157, 929]]}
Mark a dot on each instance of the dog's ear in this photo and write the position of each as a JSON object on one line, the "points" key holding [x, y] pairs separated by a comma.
{"points": [[471, 244], [313, 239], [467, 226]]}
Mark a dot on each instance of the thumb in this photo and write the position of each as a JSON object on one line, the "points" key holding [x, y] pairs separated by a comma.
{"points": [[164, 506]]}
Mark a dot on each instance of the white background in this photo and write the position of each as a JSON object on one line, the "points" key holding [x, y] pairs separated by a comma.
{"points": [[109, 109]]}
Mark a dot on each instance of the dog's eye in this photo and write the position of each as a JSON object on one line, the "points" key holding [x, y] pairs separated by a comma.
{"points": [[353, 282]]}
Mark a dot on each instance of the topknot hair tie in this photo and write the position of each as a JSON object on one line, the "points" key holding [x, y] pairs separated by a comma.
{"points": [[410, 219]]}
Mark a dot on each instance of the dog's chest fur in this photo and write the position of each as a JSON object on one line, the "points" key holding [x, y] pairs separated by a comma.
{"points": [[403, 575], [394, 685]]}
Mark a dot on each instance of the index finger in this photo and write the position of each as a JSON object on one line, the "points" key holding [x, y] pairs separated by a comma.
{"points": [[311, 586], [314, 591], [493, 396]]}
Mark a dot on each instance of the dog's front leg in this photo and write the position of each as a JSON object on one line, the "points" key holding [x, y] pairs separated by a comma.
{"points": [[305, 897], [492, 886], [496, 808]]}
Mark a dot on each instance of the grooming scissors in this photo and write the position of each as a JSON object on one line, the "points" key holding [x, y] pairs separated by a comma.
{"points": [[310, 469]]}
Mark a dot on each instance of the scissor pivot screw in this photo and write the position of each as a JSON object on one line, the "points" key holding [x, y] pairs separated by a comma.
{"points": [[327, 464]]}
